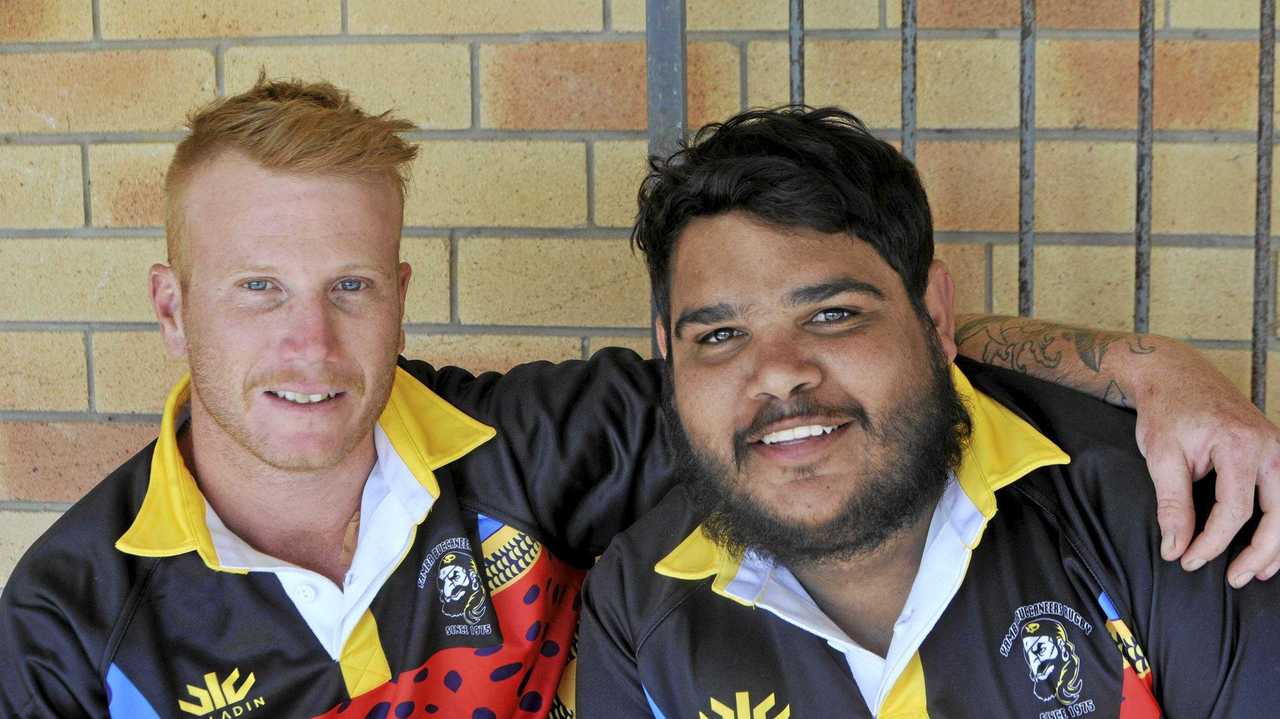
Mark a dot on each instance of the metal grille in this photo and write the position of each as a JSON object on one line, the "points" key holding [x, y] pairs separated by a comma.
{"points": [[667, 119]]}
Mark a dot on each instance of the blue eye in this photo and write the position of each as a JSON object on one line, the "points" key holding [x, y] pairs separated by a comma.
{"points": [[831, 315], [257, 285], [350, 285], [718, 336]]}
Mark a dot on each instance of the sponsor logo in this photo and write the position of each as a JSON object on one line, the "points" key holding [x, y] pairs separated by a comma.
{"points": [[743, 708], [224, 699], [1041, 635]]}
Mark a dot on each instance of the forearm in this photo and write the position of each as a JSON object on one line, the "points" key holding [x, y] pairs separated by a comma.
{"points": [[1112, 366]]}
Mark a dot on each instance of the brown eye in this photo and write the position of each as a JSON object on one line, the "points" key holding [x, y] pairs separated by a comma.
{"points": [[717, 336], [831, 315]]}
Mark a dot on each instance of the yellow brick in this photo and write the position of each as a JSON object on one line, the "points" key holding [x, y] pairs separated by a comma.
{"points": [[971, 185], [713, 82], [428, 298], [126, 90], [78, 280], [514, 183], [1085, 186], [893, 13], [578, 85], [485, 353], [1087, 83], [968, 266], [640, 345], [45, 20], [1202, 188], [629, 15], [862, 76], [128, 184], [1242, 14], [590, 283], [445, 17], [842, 14], [43, 371], [968, 83], [132, 372], [619, 168], [768, 74], [1081, 285], [21, 529], [1202, 293], [133, 19], [429, 84], [42, 187]]}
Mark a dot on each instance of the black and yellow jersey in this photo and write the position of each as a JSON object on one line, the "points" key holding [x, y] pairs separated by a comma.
{"points": [[124, 609], [1064, 608]]}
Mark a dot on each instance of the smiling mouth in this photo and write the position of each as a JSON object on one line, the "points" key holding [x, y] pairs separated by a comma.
{"points": [[798, 434], [302, 397]]}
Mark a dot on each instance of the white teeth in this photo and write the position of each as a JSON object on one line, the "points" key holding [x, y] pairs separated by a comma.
{"points": [[794, 433], [300, 398]]}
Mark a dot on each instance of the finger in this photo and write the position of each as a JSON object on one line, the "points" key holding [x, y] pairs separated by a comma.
{"points": [[1174, 511], [1270, 571], [1232, 507], [1260, 555]]}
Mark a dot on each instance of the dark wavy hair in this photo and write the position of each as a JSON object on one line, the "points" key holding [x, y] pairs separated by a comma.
{"points": [[793, 166]]}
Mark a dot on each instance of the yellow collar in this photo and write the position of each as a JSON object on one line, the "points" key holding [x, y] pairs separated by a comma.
{"points": [[1002, 449], [425, 431]]}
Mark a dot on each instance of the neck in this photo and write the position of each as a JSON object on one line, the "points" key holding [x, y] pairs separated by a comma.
{"points": [[865, 595], [299, 517]]}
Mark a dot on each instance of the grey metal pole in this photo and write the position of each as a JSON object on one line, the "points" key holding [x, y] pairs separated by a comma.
{"points": [[1027, 162], [1262, 289], [908, 96], [795, 37], [1142, 222], [666, 62]]}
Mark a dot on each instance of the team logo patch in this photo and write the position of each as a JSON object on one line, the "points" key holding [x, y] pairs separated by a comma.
{"points": [[459, 587], [228, 697], [744, 708], [1040, 635]]}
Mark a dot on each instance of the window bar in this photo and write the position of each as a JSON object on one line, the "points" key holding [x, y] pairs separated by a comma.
{"points": [[795, 38], [1142, 222], [1262, 289], [1027, 162], [909, 79], [665, 64]]}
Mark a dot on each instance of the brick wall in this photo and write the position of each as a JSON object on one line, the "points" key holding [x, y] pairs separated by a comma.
{"points": [[531, 118]]}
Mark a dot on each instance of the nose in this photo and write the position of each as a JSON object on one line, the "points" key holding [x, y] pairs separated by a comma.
{"points": [[782, 368], [311, 335]]}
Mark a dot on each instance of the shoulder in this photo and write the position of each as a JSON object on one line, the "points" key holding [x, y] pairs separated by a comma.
{"points": [[75, 565], [626, 586]]}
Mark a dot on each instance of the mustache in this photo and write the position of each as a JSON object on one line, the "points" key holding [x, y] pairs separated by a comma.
{"points": [[348, 381], [801, 406]]}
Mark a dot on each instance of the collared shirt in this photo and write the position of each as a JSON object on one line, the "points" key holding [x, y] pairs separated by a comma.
{"points": [[392, 504], [953, 531]]}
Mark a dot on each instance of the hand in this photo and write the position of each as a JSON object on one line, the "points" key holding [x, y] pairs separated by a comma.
{"points": [[1193, 420]]}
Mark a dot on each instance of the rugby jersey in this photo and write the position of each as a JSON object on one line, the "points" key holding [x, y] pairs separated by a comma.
{"points": [[1065, 608], [124, 608]]}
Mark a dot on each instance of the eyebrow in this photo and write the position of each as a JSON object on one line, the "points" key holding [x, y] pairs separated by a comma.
{"points": [[705, 316], [809, 294]]}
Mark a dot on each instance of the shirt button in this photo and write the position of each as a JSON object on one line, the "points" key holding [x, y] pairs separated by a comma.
{"points": [[304, 593]]}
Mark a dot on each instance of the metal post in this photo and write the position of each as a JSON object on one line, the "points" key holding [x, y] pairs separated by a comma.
{"points": [[1262, 290], [1027, 162], [795, 38], [909, 79], [665, 65], [1142, 222]]}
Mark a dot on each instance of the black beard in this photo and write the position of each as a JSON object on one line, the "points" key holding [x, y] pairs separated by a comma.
{"points": [[924, 437]]}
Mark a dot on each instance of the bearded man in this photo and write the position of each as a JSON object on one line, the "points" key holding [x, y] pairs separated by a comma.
{"points": [[867, 526]]}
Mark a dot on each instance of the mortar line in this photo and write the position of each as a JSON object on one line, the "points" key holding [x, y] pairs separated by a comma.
{"points": [[89, 367], [219, 70], [744, 87], [606, 17], [474, 59], [988, 278], [346, 18], [454, 312], [96, 13], [591, 183], [92, 417], [25, 505], [86, 184], [884, 15]]}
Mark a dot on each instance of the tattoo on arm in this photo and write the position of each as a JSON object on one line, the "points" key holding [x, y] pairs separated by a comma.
{"points": [[1040, 348]]}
